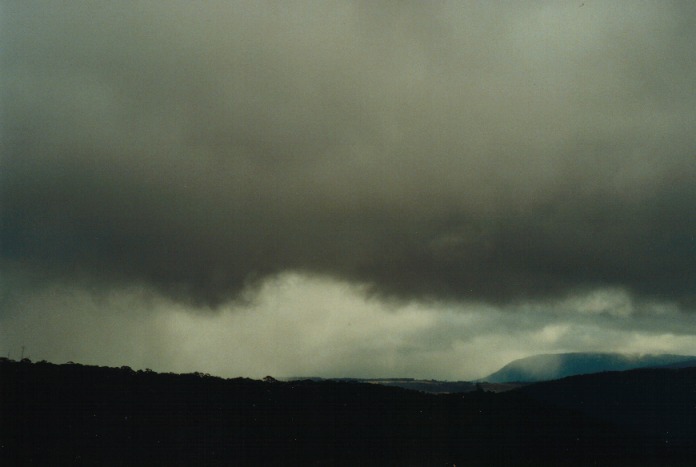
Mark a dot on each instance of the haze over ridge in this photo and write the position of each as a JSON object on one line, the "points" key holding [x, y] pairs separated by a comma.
{"points": [[546, 367]]}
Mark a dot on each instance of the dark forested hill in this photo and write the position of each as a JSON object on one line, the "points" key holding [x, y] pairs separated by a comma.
{"points": [[82, 415], [554, 366], [658, 402]]}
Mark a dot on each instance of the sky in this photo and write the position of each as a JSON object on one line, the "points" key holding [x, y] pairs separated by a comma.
{"points": [[346, 188]]}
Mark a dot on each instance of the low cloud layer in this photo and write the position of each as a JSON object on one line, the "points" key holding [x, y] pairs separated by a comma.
{"points": [[302, 326], [448, 151]]}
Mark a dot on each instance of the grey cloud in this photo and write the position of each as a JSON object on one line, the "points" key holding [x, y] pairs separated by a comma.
{"points": [[454, 151], [313, 326]]}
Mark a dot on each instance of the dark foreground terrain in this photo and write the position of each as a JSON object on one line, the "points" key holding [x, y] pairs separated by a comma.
{"points": [[85, 415]]}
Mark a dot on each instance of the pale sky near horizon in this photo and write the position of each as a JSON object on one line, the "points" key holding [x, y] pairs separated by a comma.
{"points": [[346, 188]]}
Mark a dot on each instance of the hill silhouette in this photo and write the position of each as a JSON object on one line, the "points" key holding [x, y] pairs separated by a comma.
{"points": [[657, 402], [84, 415], [548, 367]]}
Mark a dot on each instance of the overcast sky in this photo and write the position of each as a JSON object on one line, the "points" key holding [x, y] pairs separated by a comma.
{"points": [[348, 188]]}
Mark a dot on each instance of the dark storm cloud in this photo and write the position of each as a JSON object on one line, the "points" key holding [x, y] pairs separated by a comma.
{"points": [[456, 151]]}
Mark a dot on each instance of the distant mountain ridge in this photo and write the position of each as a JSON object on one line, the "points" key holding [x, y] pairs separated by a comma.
{"points": [[548, 367], [430, 386]]}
